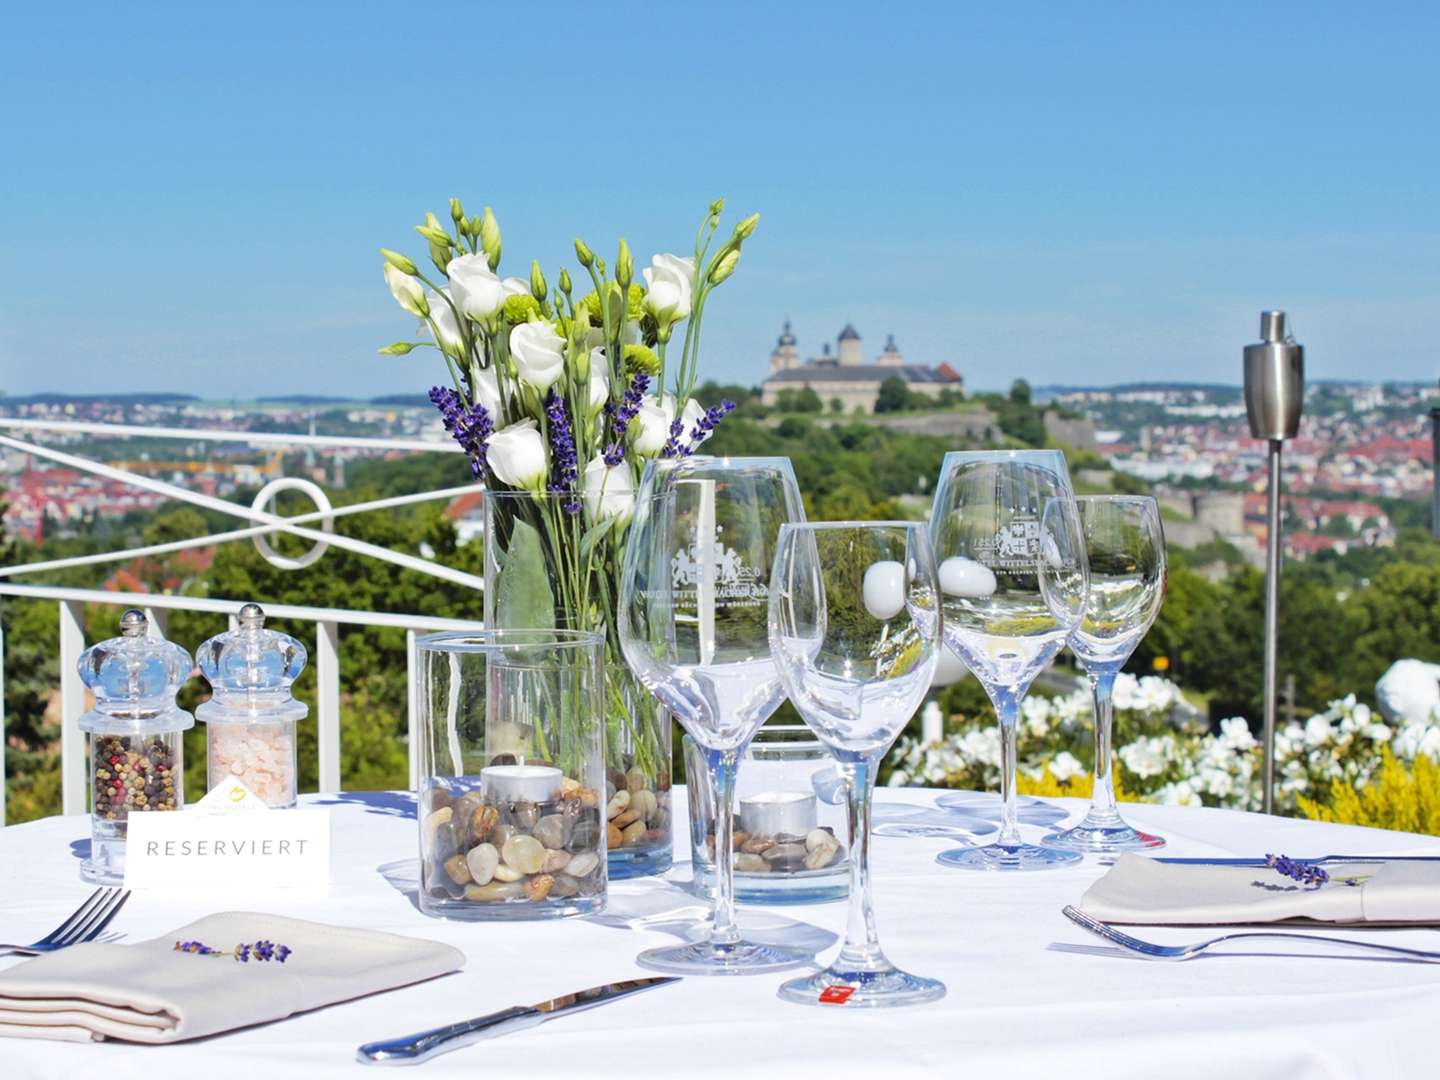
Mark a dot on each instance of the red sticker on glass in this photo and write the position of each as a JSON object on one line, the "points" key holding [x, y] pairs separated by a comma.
{"points": [[836, 995]]}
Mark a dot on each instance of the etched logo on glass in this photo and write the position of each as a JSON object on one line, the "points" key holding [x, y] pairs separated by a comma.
{"points": [[1015, 547], [735, 582]]}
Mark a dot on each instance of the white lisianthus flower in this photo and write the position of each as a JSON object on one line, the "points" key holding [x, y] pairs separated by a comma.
{"points": [[514, 286], [486, 388], [669, 286], [445, 323], [539, 354], [406, 290], [599, 380], [478, 292], [650, 429], [1065, 766], [609, 490], [516, 455]]}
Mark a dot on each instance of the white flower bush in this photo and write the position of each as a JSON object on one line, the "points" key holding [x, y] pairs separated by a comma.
{"points": [[1165, 752]]}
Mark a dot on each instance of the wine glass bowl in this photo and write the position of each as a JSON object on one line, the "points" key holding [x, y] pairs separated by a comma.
{"points": [[693, 626], [1125, 549], [855, 630], [1013, 581]]}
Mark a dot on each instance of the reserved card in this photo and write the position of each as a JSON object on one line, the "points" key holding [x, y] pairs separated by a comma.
{"points": [[229, 845]]}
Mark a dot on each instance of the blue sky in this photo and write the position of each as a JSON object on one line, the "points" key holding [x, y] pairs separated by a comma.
{"points": [[193, 199]]}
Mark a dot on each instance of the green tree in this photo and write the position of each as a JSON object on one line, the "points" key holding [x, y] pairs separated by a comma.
{"points": [[1020, 392], [894, 395]]}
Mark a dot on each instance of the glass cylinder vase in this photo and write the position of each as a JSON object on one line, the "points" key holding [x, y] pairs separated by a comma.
{"points": [[512, 781], [790, 818], [547, 566]]}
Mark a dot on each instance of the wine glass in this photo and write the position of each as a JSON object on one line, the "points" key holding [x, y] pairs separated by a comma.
{"points": [[855, 629], [1125, 548], [1013, 580], [693, 609]]}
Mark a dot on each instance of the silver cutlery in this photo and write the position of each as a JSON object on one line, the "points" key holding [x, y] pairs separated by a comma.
{"points": [[1312, 861], [1148, 951], [424, 1045], [86, 923]]}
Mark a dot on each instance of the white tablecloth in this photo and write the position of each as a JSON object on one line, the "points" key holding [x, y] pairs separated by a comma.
{"points": [[1029, 995]]}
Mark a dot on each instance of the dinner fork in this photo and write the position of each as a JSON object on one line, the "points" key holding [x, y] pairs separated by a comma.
{"points": [[87, 923], [1149, 951]]}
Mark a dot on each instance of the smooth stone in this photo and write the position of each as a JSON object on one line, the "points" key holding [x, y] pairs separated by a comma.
{"points": [[816, 838], [751, 864], [464, 809], [757, 844], [524, 853], [483, 860], [555, 860], [786, 858], [585, 836], [645, 804], [457, 869], [632, 833], [482, 823], [432, 823], [507, 873], [883, 589], [623, 820], [582, 864], [500, 834], [966, 577], [615, 778], [617, 804], [443, 844], [635, 780], [613, 837], [565, 887], [821, 857], [523, 816], [550, 831], [591, 886], [439, 797], [496, 890], [539, 886]]}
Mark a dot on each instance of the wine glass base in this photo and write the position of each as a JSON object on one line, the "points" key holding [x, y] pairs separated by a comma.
{"points": [[710, 958], [1111, 839], [1007, 858], [890, 988]]}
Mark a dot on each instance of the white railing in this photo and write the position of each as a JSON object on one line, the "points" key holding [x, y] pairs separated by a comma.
{"points": [[327, 621]]}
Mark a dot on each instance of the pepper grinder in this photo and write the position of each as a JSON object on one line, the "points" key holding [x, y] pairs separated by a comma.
{"points": [[134, 735]]}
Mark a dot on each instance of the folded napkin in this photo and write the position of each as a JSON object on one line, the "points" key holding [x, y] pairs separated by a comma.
{"points": [[150, 993], [1140, 890]]}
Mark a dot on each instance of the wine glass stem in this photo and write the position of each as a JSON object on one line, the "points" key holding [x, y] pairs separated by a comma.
{"points": [[1102, 797], [1007, 710], [723, 764], [861, 951]]}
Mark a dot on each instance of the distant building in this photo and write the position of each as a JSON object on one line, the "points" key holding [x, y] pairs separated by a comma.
{"points": [[844, 375]]}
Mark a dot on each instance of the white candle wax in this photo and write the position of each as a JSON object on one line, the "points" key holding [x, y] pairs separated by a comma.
{"points": [[520, 783], [771, 813]]}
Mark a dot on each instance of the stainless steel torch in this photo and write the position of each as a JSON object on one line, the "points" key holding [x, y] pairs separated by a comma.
{"points": [[1274, 393]]}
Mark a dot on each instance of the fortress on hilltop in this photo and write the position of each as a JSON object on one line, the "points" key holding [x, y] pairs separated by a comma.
{"points": [[844, 375]]}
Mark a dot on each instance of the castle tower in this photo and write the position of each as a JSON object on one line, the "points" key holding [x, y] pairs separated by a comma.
{"points": [[785, 355], [891, 356], [848, 346]]}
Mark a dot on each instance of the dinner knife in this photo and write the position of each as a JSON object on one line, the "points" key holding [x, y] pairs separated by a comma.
{"points": [[1205, 861], [424, 1045]]}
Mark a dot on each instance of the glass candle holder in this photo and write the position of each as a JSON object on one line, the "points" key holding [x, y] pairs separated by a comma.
{"points": [[250, 718], [512, 778], [134, 735], [790, 816]]}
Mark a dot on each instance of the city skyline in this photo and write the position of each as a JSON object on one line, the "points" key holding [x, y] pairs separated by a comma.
{"points": [[1109, 198]]}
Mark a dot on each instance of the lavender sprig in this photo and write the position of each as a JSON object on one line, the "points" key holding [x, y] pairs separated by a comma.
{"points": [[620, 421], [703, 429], [262, 951], [1304, 873], [470, 426], [564, 465]]}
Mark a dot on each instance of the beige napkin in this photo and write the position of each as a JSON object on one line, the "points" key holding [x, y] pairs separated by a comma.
{"points": [[1140, 890], [150, 993]]}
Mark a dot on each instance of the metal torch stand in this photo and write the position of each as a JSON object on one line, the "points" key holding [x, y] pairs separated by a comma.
{"points": [[1272, 622]]}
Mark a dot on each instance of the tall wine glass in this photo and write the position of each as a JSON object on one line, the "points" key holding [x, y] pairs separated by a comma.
{"points": [[1125, 547], [1013, 578], [693, 607], [855, 628]]}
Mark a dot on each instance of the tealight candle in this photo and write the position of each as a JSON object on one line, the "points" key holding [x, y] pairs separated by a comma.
{"points": [[772, 813], [520, 783]]}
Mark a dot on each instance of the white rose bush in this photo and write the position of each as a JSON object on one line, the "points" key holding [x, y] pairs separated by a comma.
{"points": [[559, 397]]}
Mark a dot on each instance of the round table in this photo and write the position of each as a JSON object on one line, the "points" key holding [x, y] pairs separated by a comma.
{"points": [[1029, 994]]}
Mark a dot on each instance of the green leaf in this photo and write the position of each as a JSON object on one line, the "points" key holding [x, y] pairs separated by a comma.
{"points": [[593, 536], [523, 599]]}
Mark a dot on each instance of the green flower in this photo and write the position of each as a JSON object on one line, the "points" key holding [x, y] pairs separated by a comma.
{"points": [[520, 309], [639, 359]]}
